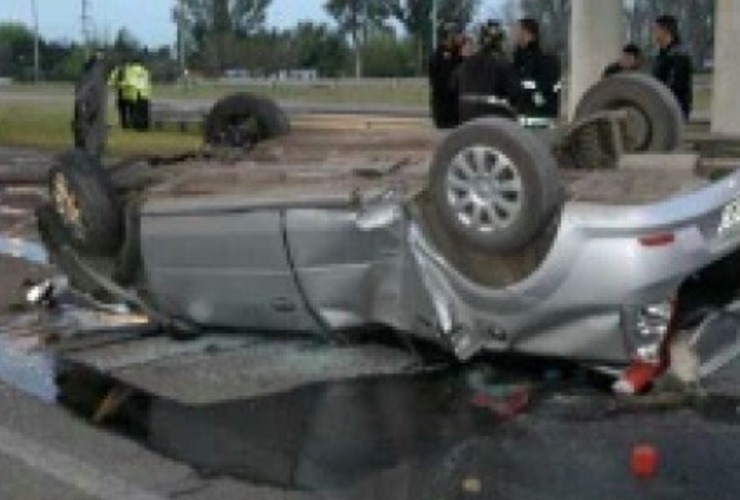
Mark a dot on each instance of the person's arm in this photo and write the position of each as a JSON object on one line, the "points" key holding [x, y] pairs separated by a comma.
{"points": [[681, 74], [508, 84], [455, 80], [610, 70], [432, 69]]}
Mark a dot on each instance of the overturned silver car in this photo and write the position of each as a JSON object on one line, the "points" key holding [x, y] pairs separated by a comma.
{"points": [[481, 240]]}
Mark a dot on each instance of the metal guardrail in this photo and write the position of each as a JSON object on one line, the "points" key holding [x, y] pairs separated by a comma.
{"points": [[701, 81]]}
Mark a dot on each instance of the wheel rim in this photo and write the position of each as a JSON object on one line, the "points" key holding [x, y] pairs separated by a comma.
{"points": [[638, 132], [68, 206], [484, 189]]}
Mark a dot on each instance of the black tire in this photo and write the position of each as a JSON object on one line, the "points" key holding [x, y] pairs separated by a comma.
{"points": [[508, 155], [655, 122], [90, 127], [55, 237], [86, 203], [243, 119]]}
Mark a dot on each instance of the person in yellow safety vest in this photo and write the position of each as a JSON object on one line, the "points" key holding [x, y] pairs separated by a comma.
{"points": [[132, 82], [115, 81], [139, 84]]}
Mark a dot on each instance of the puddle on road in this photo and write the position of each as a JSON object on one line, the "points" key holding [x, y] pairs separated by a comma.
{"points": [[26, 368], [27, 250], [326, 437], [416, 432]]}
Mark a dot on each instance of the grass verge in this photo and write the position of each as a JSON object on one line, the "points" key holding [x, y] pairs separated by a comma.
{"points": [[49, 128], [33, 122]]}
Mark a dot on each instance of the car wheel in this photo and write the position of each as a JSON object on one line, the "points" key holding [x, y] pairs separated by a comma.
{"points": [[241, 120], [90, 110], [654, 120], [86, 204], [495, 184]]}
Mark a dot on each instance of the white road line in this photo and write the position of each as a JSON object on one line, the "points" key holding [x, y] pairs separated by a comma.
{"points": [[69, 470]]}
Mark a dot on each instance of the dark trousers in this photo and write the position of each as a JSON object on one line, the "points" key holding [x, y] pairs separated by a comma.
{"points": [[125, 112], [444, 109], [141, 114]]}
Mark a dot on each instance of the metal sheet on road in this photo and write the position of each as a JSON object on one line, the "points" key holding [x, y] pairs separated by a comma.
{"points": [[213, 370]]}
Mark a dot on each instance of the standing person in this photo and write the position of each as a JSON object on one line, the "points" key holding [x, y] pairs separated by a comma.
{"points": [[486, 82], [442, 66], [538, 73], [140, 83], [673, 65], [123, 104], [467, 48], [631, 60]]}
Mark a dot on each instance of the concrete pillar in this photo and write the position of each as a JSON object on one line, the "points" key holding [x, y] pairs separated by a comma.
{"points": [[726, 97], [596, 40]]}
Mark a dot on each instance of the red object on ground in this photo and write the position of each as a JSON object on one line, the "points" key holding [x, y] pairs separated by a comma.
{"points": [[644, 461], [508, 407], [639, 375]]}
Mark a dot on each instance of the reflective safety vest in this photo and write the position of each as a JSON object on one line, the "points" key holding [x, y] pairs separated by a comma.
{"points": [[132, 81]]}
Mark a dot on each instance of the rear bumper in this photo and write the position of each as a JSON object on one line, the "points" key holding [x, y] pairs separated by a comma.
{"points": [[605, 262]]}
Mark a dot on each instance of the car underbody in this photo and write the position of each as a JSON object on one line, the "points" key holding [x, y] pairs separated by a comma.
{"points": [[327, 231], [589, 246]]}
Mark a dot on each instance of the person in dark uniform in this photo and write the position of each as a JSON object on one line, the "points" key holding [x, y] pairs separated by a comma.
{"points": [[442, 66], [485, 81], [673, 65], [631, 60], [538, 73]]}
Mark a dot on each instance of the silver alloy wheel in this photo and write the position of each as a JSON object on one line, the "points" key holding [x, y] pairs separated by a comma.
{"points": [[484, 189]]}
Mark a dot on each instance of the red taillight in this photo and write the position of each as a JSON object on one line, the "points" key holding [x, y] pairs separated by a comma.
{"points": [[658, 240]]}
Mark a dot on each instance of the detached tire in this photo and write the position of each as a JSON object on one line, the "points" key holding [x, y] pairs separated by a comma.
{"points": [[495, 185], [86, 204], [243, 119], [655, 121]]}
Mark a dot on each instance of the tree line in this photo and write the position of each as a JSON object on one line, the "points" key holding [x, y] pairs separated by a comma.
{"points": [[364, 39], [375, 38]]}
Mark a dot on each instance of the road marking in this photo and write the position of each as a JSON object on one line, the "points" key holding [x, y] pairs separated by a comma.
{"points": [[69, 470]]}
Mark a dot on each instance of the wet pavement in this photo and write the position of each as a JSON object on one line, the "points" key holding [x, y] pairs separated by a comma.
{"points": [[21, 257], [436, 436]]}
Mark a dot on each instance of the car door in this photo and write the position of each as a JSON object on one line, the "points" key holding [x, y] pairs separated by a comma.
{"points": [[222, 266]]}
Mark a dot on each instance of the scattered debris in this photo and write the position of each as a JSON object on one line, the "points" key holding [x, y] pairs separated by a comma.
{"points": [[472, 486], [638, 378], [644, 463], [112, 403], [512, 401]]}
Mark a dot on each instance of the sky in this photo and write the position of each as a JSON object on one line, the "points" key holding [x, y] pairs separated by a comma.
{"points": [[149, 20]]}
